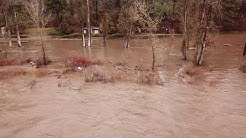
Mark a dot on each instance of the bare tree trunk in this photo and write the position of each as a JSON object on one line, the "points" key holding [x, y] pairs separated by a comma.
{"points": [[42, 44], [127, 41], [18, 36], [172, 37], [17, 31], [202, 40], [3, 31], [89, 23], [5, 46], [83, 36], [153, 57], [104, 40], [153, 49], [9, 38], [173, 8], [185, 39], [201, 49], [128, 37], [8, 31]]}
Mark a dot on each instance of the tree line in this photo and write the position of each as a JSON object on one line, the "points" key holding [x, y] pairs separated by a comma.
{"points": [[195, 19]]}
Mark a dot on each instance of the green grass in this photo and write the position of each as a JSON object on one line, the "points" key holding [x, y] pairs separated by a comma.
{"points": [[47, 31]]}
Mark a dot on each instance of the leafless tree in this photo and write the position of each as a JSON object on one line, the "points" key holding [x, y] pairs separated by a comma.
{"points": [[88, 4], [105, 23], [185, 33], [39, 17], [128, 17], [17, 30], [198, 20], [9, 33], [80, 16], [209, 9], [143, 12], [6, 29]]}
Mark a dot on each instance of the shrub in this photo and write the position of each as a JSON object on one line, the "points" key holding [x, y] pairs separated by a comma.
{"points": [[81, 62], [54, 32], [39, 72], [97, 74], [6, 62], [149, 78], [188, 72], [64, 28], [7, 74], [146, 78], [38, 62]]}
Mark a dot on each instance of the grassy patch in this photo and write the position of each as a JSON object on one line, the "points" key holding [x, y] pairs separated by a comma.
{"points": [[115, 36], [53, 32], [96, 35]]}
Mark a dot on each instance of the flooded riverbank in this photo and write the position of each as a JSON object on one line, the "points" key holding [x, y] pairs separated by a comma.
{"points": [[66, 106]]}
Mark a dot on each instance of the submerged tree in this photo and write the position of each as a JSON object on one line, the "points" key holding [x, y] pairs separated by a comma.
{"points": [[19, 15], [5, 4], [208, 11], [14, 17], [128, 16], [106, 23], [88, 5], [39, 18], [198, 20], [78, 11], [186, 11], [146, 21]]}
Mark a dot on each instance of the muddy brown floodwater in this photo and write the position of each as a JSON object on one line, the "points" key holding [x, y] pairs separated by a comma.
{"points": [[69, 107]]}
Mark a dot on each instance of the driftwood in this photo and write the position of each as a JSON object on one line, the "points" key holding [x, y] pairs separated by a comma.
{"points": [[124, 66], [120, 66]]}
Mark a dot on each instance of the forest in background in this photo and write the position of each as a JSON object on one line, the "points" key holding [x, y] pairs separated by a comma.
{"points": [[67, 16], [196, 20]]}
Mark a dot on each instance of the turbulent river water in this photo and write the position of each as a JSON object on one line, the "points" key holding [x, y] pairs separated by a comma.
{"points": [[69, 107]]}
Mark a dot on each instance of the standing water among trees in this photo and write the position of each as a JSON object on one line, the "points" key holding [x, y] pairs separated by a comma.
{"points": [[165, 68]]}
